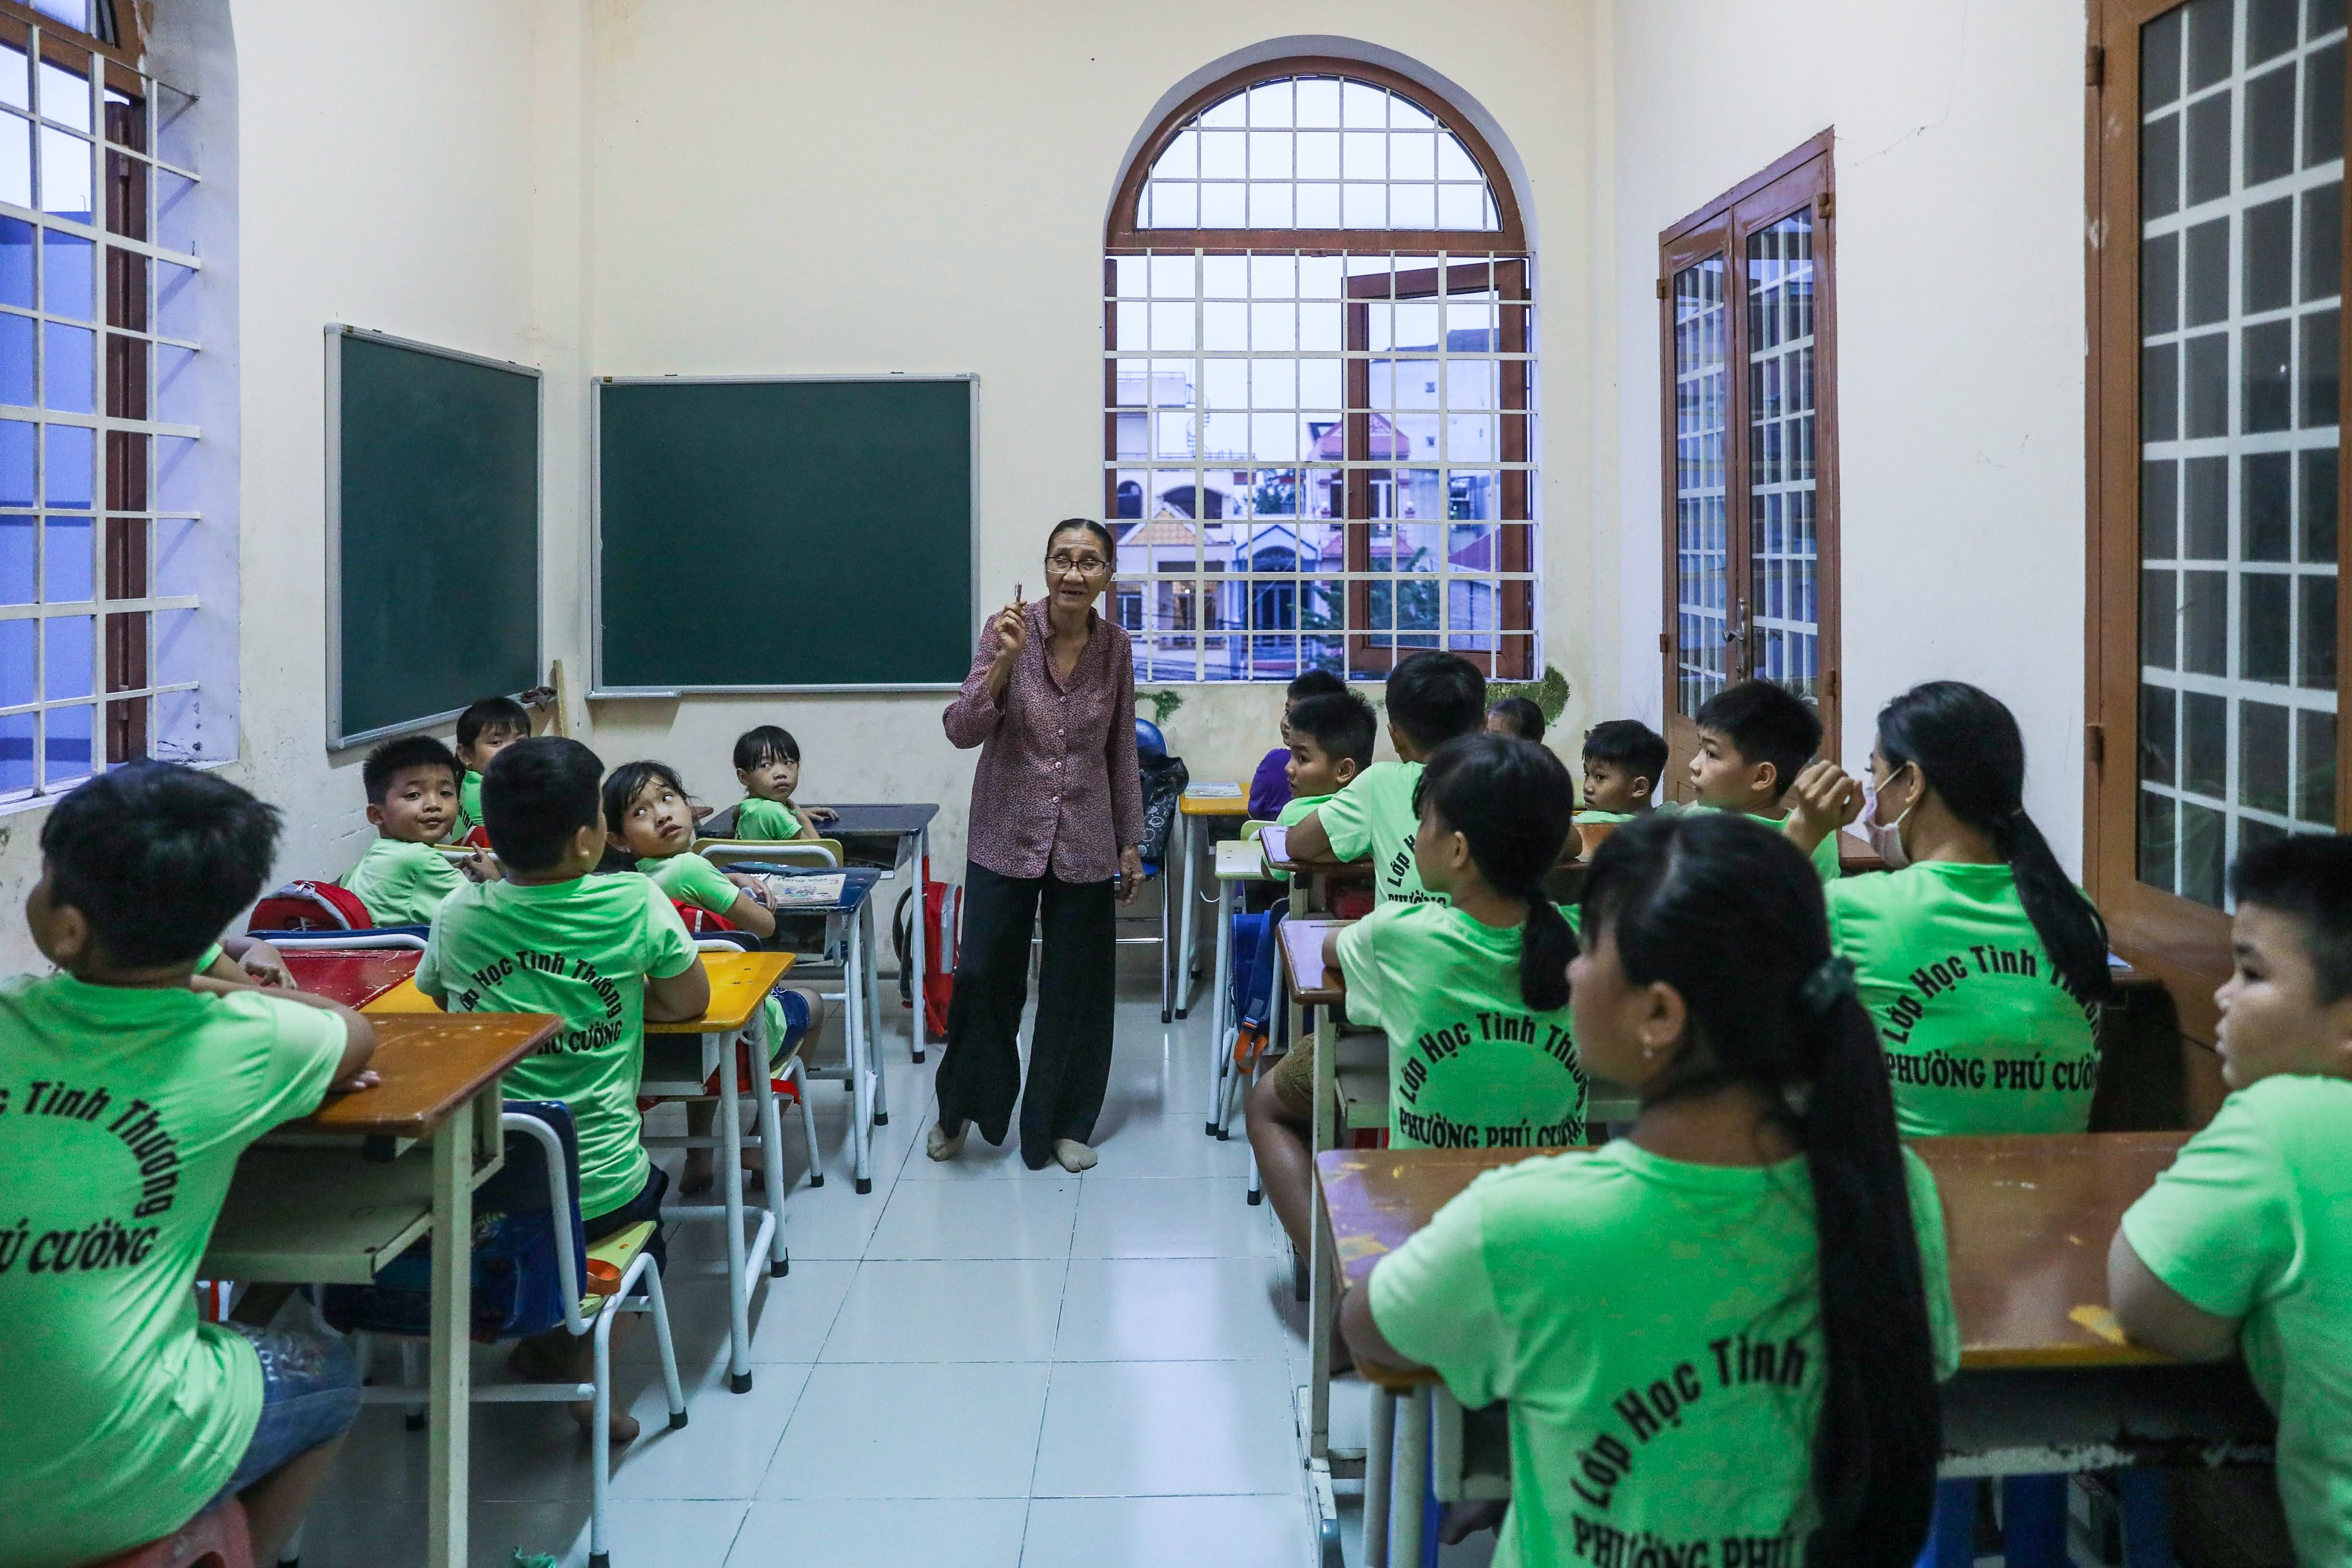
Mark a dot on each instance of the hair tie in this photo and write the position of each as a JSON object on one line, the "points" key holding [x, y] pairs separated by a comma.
{"points": [[1829, 985]]}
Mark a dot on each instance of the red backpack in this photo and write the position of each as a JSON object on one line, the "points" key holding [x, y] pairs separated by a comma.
{"points": [[311, 906], [699, 919]]}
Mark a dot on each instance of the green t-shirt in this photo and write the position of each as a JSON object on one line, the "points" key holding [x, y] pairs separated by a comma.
{"points": [[212, 956], [1979, 1035], [1374, 816], [771, 820], [122, 1112], [469, 806], [1656, 1326], [2254, 1221], [688, 879], [403, 883], [581, 950], [1470, 1065], [1293, 811]]}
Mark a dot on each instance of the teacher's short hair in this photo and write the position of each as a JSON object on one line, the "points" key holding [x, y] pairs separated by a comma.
{"points": [[1110, 548]]}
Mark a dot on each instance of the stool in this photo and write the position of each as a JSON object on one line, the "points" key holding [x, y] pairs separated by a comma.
{"points": [[216, 1537]]}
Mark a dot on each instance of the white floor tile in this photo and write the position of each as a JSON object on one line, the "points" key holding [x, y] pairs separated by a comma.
{"points": [[1172, 1309], [898, 1533], [979, 1219], [871, 1430], [341, 1531], [973, 1309], [725, 1447], [1190, 1218], [1268, 1532], [1167, 1429], [789, 1317]]}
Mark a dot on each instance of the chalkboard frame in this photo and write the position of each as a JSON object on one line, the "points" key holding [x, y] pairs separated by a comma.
{"points": [[337, 333], [598, 688]]}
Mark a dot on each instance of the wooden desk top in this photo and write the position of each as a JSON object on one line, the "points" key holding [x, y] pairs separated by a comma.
{"points": [[1302, 958], [354, 977], [1191, 805], [739, 982], [2027, 1219], [430, 1067], [1276, 841]]}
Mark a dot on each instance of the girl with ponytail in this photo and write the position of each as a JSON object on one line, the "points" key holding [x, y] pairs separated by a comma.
{"points": [[1472, 990], [1729, 1325], [1981, 964]]}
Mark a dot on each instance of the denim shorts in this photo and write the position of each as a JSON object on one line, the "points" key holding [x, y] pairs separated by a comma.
{"points": [[309, 1396]]}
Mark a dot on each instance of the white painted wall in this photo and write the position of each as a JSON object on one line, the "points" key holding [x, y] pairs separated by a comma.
{"points": [[1960, 384]]}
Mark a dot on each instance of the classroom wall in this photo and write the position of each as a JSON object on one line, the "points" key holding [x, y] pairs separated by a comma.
{"points": [[921, 186], [1960, 312]]}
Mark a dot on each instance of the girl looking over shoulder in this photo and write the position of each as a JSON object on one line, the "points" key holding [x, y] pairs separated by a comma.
{"points": [[1729, 1326]]}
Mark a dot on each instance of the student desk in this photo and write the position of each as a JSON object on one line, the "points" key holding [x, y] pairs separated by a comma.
{"points": [[2046, 1383], [1238, 862], [899, 836], [353, 977], [1202, 808], [1313, 878], [328, 1200]]}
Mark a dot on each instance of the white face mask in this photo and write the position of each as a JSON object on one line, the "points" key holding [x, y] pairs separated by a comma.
{"points": [[1885, 838]]}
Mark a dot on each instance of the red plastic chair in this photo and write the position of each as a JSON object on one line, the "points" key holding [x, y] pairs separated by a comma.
{"points": [[216, 1537]]}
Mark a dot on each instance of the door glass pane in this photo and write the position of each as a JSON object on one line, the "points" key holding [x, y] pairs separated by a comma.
{"points": [[1702, 535], [1783, 609], [2241, 178]]}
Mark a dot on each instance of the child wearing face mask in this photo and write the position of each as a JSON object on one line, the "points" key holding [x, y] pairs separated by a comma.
{"points": [[1981, 964]]}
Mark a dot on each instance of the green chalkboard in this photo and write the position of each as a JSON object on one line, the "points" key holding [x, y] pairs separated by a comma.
{"points": [[432, 533], [785, 532]]}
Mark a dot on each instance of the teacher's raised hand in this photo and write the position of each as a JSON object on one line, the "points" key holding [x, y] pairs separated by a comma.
{"points": [[1011, 635]]}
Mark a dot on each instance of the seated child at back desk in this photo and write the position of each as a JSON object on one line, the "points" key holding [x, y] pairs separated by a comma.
{"points": [[767, 767], [602, 953], [1331, 738], [128, 1090], [1515, 717], [1271, 787], [412, 795], [1623, 761], [2245, 1243], [649, 818], [1754, 738], [1431, 698], [484, 730]]}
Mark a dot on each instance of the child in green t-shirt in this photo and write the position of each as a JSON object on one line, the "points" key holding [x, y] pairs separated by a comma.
{"points": [[1981, 964], [767, 767], [1431, 698], [486, 727], [1726, 1327], [603, 954], [128, 1090], [649, 817], [1754, 738], [1623, 761], [2245, 1243], [1332, 739], [412, 792]]}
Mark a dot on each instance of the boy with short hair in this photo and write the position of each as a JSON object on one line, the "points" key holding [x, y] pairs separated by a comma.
{"points": [[1623, 761], [128, 1090], [1332, 739], [487, 727], [603, 953], [1431, 698], [1517, 717], [412, 791], [1270, 787], [1754, 738], [2246, 1241]]}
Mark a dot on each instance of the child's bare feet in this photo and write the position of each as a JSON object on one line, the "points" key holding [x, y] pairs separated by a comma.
{"points": [[623, 1424], [696, 1179]]}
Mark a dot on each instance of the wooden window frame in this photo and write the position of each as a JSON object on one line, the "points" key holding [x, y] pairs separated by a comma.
{"points": [[2183, 943], [1805, 177]]}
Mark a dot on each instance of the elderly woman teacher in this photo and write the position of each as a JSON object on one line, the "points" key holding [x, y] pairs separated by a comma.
{"points": [[1057, 820]]}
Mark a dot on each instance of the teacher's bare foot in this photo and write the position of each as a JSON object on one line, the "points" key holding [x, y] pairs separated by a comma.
{"points": [[1073, 1155], [942, 1144]]}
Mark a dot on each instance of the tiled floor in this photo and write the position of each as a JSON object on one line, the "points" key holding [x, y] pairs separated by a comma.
{"points": [[973, 1366]]}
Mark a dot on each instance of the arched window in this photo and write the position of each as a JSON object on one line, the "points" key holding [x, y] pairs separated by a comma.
{"points": [[1318, 362]]}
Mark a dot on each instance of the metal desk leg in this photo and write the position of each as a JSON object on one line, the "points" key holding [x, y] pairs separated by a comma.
{"points": [[920, 951], [1221, 1055], [1378, 1458], [858, 1048], [873, 987], [1184, 924], [453, 1312], [730, 1180], [1320, 1307], [1409, 1491], [772, 1140]]}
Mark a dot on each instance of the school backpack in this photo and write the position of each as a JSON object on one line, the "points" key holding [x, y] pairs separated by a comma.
{"points": [[942, 943], [311, 906], [700, 922]]}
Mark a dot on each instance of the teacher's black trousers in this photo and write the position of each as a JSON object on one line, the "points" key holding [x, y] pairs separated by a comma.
{"points": [[1070, 1051]]}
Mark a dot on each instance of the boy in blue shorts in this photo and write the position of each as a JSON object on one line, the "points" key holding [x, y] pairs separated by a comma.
{"points": [[129, 1086], [1431, 698], [1754, 738], [603, 954], [2245, 1243]]}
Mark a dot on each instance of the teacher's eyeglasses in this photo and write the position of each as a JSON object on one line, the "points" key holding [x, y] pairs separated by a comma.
{"points": [[1084, 565]]}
